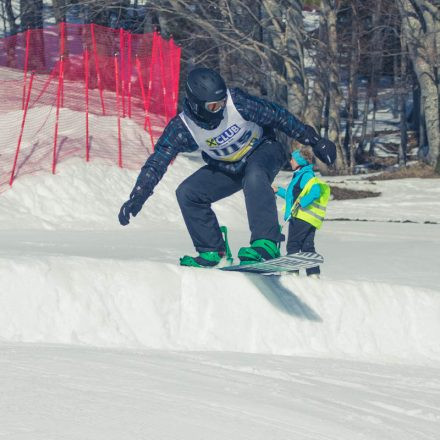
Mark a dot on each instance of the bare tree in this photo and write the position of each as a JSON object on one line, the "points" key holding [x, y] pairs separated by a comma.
{"points": [[31, 16], [329, 10], [9, 16], [352, 84], [315, 105], [402, 106], [421, 29], [376, 67], [257, 36], [260, 45], [59, 10], [297, 84]]}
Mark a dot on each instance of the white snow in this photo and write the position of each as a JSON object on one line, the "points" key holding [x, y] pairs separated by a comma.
{"points": [[104, 336], [189, 353], [71, 393]]}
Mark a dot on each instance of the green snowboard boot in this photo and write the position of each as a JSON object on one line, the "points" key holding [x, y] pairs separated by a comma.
{"points": [[259, 250], [204, 259], [210, 259]]}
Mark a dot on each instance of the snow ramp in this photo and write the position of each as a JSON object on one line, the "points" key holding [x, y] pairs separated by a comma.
{"points": [[141, 304]]}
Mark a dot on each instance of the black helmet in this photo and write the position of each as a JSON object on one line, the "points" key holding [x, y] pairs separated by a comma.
{"points": [[206, 93]]}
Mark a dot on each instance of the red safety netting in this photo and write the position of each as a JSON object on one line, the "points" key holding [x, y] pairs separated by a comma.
{"points": [[64, 88]]}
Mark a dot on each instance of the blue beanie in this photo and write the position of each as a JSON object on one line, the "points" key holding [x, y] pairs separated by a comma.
{"points": [[299, 159]]}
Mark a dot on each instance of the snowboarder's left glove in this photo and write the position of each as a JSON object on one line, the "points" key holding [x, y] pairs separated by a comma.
{"points": [[308, 136], [325, 150]]}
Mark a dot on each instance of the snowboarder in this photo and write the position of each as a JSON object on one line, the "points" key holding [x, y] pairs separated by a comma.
{"points": [[235, 132], [306, 201]]}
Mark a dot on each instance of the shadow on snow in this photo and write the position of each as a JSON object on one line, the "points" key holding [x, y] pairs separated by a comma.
{"points": [[282, 298]]}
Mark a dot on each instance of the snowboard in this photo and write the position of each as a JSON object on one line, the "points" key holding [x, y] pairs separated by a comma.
{"points": [[288, 263]]}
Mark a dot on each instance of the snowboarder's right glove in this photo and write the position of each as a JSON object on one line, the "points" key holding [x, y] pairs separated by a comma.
{"points": [[132, 206]]}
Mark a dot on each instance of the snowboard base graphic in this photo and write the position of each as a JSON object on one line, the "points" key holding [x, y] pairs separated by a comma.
{"points": [[288, 263]]}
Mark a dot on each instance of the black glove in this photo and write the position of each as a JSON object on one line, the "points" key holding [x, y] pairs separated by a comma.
{"points": [[325, 150], [308, 136], [132, 206]]}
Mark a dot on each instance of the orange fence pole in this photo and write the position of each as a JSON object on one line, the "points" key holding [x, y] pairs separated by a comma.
{"points": [[162, 78], [130, 67], [57, 117], [98, 75], [23, 121], [118, 111], [171, 58], [26, 60], [176, 56], [62, 33], [86, 90], [150, 75], [123, 68], [144, 98]]}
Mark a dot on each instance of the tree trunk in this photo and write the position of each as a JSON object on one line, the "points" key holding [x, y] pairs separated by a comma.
{"points": [[366, 110], [315, 105], [273, 33], [11, 18], [31, 12], [329, 10], [376, 68], [59, 10], [352, 81], [396, 84], [402, 106], [419, 24], [296, 78]]}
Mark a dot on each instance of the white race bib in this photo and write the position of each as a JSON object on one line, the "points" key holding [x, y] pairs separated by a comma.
{"points": [[231, 140]]}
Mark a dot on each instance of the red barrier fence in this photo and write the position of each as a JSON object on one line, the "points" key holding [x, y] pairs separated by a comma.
{"points": [[66, 90]]}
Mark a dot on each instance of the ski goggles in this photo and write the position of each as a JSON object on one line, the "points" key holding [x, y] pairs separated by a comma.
{"points": [[215, 106]]}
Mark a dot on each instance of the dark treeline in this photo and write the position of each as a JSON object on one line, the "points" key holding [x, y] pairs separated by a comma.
{"points": [[336, 69]]}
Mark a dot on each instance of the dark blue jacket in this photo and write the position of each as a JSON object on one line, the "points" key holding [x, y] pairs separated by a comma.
{"points": [[176, 138]]}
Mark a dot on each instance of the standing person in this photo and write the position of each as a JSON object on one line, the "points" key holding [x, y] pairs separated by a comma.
{"points": [[235, 132], [306, 201]]}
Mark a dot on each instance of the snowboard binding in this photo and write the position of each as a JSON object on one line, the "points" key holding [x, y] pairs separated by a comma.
{"points": [[259, 250], [211, 258]]}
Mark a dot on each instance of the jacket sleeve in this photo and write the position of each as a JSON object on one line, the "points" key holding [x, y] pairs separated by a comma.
{"points": [[270, 115], [174, 139], [281, 192], [314, 193]]}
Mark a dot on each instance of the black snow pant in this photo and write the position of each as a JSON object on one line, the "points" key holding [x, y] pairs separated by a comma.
{"points": [[208, 185], [301, 238]]}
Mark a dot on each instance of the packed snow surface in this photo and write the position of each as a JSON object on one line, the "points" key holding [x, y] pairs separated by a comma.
{"points": [[104, 336]]}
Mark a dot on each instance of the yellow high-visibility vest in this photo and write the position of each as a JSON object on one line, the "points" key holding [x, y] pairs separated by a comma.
{"points": [[315, 212]]}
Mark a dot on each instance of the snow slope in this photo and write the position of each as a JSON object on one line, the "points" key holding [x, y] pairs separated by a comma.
{"points": [[74, 393], [188, 353], [105, 285], [104, 336]]}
